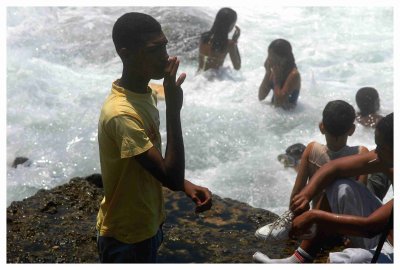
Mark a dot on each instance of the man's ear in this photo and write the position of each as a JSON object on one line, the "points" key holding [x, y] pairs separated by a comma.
{"points": [[351, 130], [322, 128], [123, 53]]}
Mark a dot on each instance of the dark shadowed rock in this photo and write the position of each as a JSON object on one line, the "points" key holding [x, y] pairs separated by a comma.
{"points": [[21, 161], [58, 226], [95, 179]]}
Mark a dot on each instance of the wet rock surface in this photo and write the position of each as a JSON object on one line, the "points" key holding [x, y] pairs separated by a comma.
{"points": [[58, 226], [21, 161]]}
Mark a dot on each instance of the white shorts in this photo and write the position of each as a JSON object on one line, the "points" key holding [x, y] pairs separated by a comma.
{"points": [[359, 255], [350, 197]]}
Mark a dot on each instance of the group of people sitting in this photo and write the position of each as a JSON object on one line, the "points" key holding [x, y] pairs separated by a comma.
{"points": [[346, 185]]}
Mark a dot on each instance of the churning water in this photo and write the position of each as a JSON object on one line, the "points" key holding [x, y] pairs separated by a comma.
{"points": [[61, 63]]}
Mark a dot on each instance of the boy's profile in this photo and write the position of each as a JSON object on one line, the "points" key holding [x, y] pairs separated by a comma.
{"points": [[131, 214]]}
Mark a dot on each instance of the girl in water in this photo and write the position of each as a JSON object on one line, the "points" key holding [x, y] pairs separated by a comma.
{"points": [[281, 75], [215, 44]]}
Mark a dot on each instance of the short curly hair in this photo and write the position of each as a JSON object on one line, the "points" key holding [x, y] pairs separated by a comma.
{"points": [[367, 99], [338, 117], [130, 29]]}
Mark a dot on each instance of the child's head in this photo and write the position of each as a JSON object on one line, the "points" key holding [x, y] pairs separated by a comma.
{"points": [[141, 44], [280, 47], [131, 30], [218, 34], [293, 155], [281, 59], [224, 21], [338, 118], [367, 99], [384, 140]]}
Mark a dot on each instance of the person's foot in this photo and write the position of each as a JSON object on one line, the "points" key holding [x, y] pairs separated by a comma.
{"points": [[299, 256], [277, 230], [260, 257]]}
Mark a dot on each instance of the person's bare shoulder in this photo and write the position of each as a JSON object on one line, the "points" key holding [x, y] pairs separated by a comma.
{"points": [[295, 74], [308, 150], [294, 79]]}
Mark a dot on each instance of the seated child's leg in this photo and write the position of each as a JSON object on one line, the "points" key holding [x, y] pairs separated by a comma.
{"points": [[346, 196], [314, 245]]}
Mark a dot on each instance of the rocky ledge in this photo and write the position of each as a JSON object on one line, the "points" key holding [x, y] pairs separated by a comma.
{"points": [[58, 226]]}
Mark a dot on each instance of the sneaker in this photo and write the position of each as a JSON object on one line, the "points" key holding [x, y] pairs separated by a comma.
{"points": [[277, 230]]}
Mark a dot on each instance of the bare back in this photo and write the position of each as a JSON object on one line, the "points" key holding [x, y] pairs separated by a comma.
{"points": [[210, 59]]}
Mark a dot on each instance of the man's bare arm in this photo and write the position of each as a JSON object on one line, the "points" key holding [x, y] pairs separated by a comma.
{"points": [[170, 171], [344, 224], [340, 168]]}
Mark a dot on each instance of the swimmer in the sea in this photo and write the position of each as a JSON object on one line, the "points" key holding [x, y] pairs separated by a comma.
{"points": [[215, 44]]}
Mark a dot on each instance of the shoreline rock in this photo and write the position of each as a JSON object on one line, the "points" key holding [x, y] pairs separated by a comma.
{"points": [[58, 226]]}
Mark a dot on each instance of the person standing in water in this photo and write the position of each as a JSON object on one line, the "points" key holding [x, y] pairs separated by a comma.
{"points": [[281, 76], [367, 99], [215, 44]]}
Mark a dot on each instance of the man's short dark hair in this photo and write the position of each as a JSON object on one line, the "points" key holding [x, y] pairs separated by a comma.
{"points": [[130, 29], [385, 127], [338, 117], [367, 99]]}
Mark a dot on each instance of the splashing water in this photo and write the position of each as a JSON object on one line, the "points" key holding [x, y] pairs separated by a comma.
{"points": [[61, 63]]}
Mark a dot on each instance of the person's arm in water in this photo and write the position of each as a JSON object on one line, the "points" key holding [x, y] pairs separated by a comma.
{"points": [[170, 171], [203, 52], [339, 168], [265, 86], [344, 224], [233, 49], [292, 83], [303, 172]]}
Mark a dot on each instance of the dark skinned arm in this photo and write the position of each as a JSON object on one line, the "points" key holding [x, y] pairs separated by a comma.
{"points": [[303, 173], [234, 51], [170, 171], [340, 168], [344, 224], [265, 86]]}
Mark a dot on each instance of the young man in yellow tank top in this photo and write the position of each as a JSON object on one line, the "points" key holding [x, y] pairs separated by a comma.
{"points": [[133, 169]]}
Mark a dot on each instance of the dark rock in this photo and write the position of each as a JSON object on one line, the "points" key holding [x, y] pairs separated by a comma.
{"points": [[21, 161], [50, 208], [95, 179], [58, 226]]}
